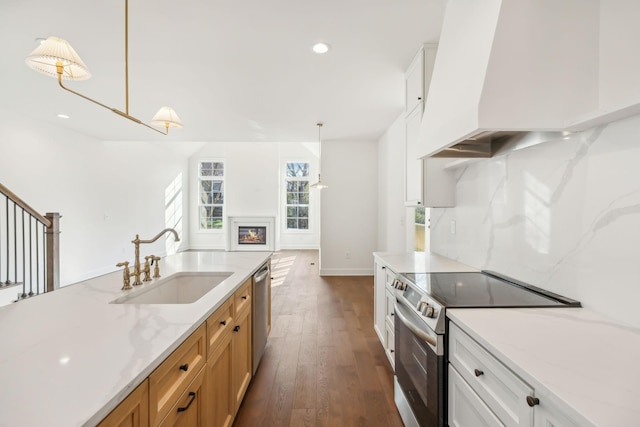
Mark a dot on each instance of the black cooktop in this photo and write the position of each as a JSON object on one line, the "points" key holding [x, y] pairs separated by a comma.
{"points": [[484, 289]]}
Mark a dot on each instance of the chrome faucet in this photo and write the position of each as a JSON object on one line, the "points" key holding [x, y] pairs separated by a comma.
{"points": [[136, 266]]}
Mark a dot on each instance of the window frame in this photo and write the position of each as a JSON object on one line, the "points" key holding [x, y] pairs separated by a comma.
{"points": [[199, 179], [286, 205]]}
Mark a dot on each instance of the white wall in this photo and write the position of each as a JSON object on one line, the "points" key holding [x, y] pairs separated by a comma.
{"points": [[563, 215], [106, 192], [254, 178], [392, 215], [349, 207]]}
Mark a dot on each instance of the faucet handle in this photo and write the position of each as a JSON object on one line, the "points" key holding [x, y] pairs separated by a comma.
{"points": [[125, 275], [156, 270], [147, 268]]}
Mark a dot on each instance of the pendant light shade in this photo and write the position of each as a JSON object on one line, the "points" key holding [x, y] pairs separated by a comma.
{"points": [[319, 185], [53, 52], [56, 58], [167, 118]]}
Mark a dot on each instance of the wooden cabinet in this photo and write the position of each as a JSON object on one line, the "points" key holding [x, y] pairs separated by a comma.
{"points": [[132, 412], [241, 351], [171, 378], [219, 325], [191, 408], [229, 362], [222, 402], [201, 383]]}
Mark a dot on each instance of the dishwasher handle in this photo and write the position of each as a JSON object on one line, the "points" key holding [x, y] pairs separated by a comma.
{"points": [[262, 274]]}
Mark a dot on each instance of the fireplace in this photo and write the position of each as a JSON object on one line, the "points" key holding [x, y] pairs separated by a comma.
{"points": [[251, 233]]}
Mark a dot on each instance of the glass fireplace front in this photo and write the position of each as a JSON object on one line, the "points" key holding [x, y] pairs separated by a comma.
{"points": [[252, 235]]}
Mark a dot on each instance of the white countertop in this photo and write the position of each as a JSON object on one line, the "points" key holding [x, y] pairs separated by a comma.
{"points": [[580, 357], [420, 262], [69, 357]]}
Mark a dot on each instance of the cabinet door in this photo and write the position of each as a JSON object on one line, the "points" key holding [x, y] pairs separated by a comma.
{"points": [[414, 82], [413, 165], [191, 408], [379, 287], [131, 412], [466, 409], [220, 382], [241, 351]]}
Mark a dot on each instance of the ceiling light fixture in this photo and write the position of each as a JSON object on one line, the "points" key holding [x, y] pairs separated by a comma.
{"points": [[321, 48], [63, 116], [319, 185], [56, 58]]}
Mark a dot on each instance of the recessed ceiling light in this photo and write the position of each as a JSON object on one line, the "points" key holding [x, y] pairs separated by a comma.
{"points": [[321, 48], [63, 116], [40, 40]]}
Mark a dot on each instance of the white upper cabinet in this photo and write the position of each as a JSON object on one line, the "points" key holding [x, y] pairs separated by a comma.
{"points": [[427, 184], [507, 65]]}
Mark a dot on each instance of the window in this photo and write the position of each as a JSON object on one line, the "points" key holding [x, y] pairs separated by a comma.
{"points": [[297, 186], [211, 189]]}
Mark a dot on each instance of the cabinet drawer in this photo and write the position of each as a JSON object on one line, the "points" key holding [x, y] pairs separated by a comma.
{"points": [[242, 298], [389, 276], [173, 376], [219, 324], [191, 407], [504, 392], [391, 345], [465, 407], [390, 299]]}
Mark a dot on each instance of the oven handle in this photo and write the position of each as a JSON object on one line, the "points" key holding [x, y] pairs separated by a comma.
{"points": [[413, 328]]}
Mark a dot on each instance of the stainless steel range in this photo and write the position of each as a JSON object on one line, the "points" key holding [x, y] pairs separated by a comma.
{"points": [[420, 332]]}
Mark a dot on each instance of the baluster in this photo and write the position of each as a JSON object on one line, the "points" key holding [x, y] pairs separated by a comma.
{"points": [[24, 282], [30, 258]]}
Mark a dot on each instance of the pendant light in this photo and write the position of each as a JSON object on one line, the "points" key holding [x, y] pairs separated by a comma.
{"points": [[56, 58], [319, 185]]}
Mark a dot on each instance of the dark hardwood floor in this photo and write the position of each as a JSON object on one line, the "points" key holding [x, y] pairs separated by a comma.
{"points": [[324, 364]]}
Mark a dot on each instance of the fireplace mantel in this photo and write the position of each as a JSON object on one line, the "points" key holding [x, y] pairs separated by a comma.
{"points": [[250, 224]]}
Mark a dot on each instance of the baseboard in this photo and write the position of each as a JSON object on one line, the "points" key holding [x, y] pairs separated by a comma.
{"points": [[380, 335], [346, 272]]}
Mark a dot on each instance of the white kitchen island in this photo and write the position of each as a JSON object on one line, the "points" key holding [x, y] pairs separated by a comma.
{"points": [[70, 356]]}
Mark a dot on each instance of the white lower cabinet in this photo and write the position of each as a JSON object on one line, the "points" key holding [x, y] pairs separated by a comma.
{"points": [[383, 308], [465, 407], [484, 392], [391, 345]]}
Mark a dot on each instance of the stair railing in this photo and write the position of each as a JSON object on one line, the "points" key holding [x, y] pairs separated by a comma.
{"points": [[29, 247]]}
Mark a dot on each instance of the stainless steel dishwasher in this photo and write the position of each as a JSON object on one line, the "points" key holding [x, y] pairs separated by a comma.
{"points": [[261, 283]]}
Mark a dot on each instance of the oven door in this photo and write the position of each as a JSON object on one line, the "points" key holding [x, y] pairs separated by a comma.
{"points": [[419, 364]]}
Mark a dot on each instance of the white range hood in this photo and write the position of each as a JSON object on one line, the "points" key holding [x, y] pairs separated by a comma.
{"points": [[510, 66]]}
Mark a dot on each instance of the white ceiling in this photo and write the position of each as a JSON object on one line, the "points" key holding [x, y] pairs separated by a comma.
{"points": [[234, 70]]}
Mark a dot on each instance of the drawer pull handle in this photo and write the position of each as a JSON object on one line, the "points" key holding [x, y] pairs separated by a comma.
{"points": [[223, 323], [236, 329], [192, 394], [244, 297], [478, 372], [185, 367], [532, 401]]}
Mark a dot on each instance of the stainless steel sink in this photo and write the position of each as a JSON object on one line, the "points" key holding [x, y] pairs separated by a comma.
{"points": [[179, 288]]}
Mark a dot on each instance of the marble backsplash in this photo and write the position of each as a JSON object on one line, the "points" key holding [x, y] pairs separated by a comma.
{"points": [[563, 215]]}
